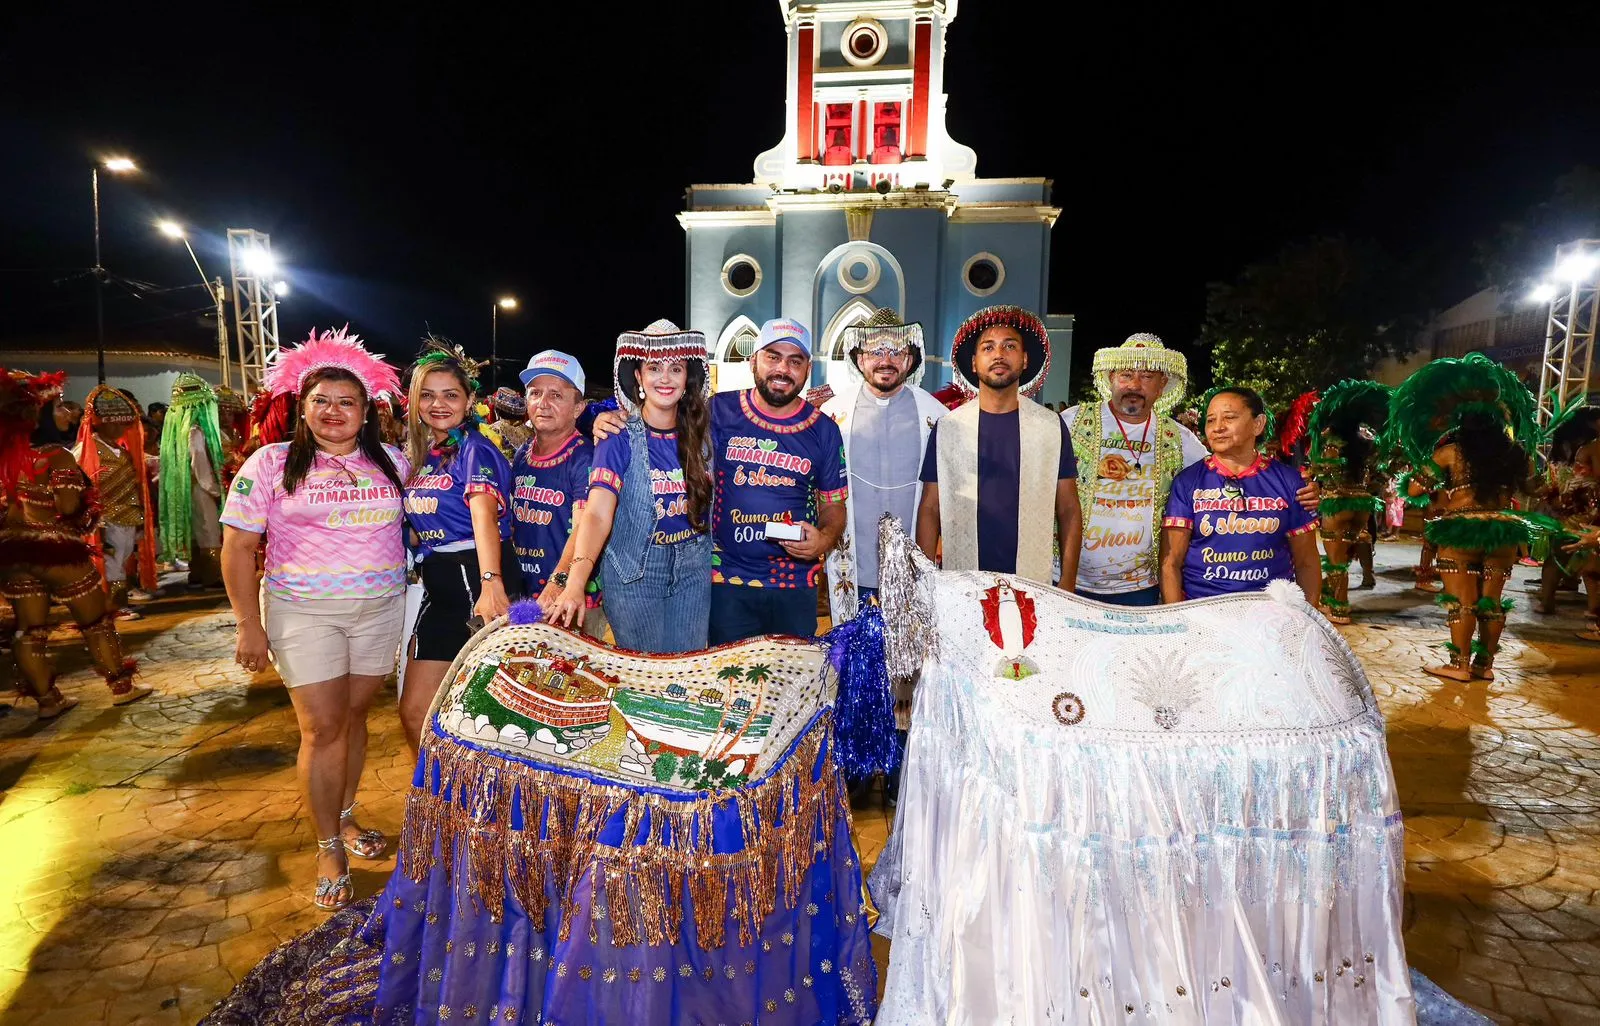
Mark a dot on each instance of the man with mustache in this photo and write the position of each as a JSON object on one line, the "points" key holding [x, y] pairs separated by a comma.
{"points": [[1130, 453], [999, 471], [778, 461], [885, 420]]}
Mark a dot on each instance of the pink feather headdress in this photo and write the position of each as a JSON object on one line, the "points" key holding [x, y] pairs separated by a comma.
{"points": [[330, 349]]}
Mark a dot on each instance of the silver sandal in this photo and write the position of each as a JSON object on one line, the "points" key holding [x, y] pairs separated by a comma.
{"points": [[368, 844], [328, 890]]}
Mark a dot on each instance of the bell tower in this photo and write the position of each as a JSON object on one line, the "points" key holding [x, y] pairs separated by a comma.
{"points": [[865, 99]]}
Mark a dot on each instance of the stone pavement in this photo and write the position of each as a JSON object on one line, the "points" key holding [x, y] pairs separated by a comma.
{"points": [[156, 852]]}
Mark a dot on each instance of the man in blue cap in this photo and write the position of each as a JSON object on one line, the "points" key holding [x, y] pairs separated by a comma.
{"points": [[550, 476], [779, 493]]}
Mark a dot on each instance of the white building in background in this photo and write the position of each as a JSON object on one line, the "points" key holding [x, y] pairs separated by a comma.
{"points": [[866, 202], [145, 367], [1511, 332]]}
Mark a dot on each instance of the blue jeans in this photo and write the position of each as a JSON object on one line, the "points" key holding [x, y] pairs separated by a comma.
{"points": [[739, 611], [666, 609], [1143, 597]]}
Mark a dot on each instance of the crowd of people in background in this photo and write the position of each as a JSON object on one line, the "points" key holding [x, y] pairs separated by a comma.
{"points": [[358, 519]]}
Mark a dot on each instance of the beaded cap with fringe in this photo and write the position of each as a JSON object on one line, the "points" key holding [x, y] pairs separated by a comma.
{"points": [[884, 331], [1144, 351], [330, 349], [1035, 341], [660, 340]]}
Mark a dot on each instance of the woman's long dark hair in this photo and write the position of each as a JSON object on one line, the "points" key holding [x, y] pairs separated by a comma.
{"points": [[1494, 463], [303, 447], [694, 435], [1355, 452]]}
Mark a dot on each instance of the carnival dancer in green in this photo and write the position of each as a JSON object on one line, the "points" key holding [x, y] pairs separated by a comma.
{"points": [[191, 475], [1344, 429], [1467, 425]]}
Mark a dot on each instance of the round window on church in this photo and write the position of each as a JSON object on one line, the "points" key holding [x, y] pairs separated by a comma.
{"points": [[983, 274], [864, 42], [859, 272], [741, 275]]}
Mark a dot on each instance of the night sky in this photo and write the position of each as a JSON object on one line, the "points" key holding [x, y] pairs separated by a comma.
{"points": [[410, 168]]}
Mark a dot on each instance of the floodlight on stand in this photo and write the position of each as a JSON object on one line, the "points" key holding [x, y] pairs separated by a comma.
{"points": [[258, 262], [1542, 293], [280, 289], [1578, 267]]}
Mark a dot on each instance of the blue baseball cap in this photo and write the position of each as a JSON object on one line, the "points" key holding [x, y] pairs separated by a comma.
{"points": [[552, 361], [782, 329]]}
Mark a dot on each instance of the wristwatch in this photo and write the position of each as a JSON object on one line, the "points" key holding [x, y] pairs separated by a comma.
{"points": [[560, 578], [489, 575]]}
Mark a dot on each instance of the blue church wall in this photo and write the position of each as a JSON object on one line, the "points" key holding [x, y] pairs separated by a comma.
{"points": [[710, 306], [806, 238], [1022, 248]]}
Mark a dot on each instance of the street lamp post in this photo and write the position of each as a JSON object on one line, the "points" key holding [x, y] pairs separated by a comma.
{"points": [[219, 295], [503, 303], [116, 165]]}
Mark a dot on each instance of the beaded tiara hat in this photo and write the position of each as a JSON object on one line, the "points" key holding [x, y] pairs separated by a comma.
{"points": [[1144, 351], [661, 340]]}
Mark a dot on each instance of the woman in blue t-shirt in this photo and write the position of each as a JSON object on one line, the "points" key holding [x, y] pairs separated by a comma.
{"points": [[457, 511], [1232, 522], [649, 501]]}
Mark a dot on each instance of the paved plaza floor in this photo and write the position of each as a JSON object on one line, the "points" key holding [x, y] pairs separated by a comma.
{"points": [[154, 853]]}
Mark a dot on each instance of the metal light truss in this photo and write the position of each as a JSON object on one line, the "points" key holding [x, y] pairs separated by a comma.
{"points": [[1569, 336], [255, 304]]}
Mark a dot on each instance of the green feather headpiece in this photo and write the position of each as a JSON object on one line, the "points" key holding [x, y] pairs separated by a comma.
{"points": [[1347, 408], [1431, 403]]}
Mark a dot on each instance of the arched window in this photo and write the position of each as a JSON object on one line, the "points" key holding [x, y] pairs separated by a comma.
{"points": [[855, 311], [738, 340]]}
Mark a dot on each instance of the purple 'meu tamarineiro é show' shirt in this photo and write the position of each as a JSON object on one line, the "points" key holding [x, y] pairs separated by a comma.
{"points": [[1241, 525]]}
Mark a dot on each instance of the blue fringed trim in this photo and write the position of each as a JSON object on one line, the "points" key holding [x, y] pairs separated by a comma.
{"points": [[525, 611], [864, 731]]}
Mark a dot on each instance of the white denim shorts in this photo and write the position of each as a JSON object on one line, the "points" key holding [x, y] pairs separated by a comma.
{"points": [[323, 639]]}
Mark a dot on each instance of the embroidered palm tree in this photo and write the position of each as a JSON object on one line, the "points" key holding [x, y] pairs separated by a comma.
{"points": [[757, 674]]}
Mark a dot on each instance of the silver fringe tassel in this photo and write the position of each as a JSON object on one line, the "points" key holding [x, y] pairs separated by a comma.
{"points": [[905, 594]]}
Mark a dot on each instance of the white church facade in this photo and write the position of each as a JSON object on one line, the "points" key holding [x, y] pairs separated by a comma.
{"points": [[866, 202]]}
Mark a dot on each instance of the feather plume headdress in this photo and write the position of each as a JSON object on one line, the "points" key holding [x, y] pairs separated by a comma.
{"points": [[436, 350], [1297, 420], [330, 349]]}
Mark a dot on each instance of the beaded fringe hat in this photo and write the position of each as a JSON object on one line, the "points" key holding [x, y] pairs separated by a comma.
{"points": [[106, 405], [509, 404], [884, 331], [1035, 341], [190, 390], [661, 340], [1144, 351]]}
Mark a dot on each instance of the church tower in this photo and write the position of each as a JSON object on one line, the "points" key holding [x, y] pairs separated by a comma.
{"points": [[866, 202]]}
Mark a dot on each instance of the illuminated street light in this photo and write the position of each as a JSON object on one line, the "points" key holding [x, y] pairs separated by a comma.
{"points": [[219, 295], [119, 166], [503, 303]]}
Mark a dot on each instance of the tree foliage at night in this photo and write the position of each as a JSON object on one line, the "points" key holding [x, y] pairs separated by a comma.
{"points": [[1319, 311], [1520, 252]]}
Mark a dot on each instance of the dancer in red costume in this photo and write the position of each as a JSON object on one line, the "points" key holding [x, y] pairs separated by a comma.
{"points": [[50, 507]]}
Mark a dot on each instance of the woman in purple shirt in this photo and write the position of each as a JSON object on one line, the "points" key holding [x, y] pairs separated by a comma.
{"points": [[459, 517], [1232, 522]]}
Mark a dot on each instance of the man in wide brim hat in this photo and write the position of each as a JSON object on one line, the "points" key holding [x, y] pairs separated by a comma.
{"points": [[1036, 347], [998, 473], [885, 419]]}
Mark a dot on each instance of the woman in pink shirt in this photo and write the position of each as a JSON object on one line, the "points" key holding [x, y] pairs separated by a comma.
{"points": [[332, 603]]}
